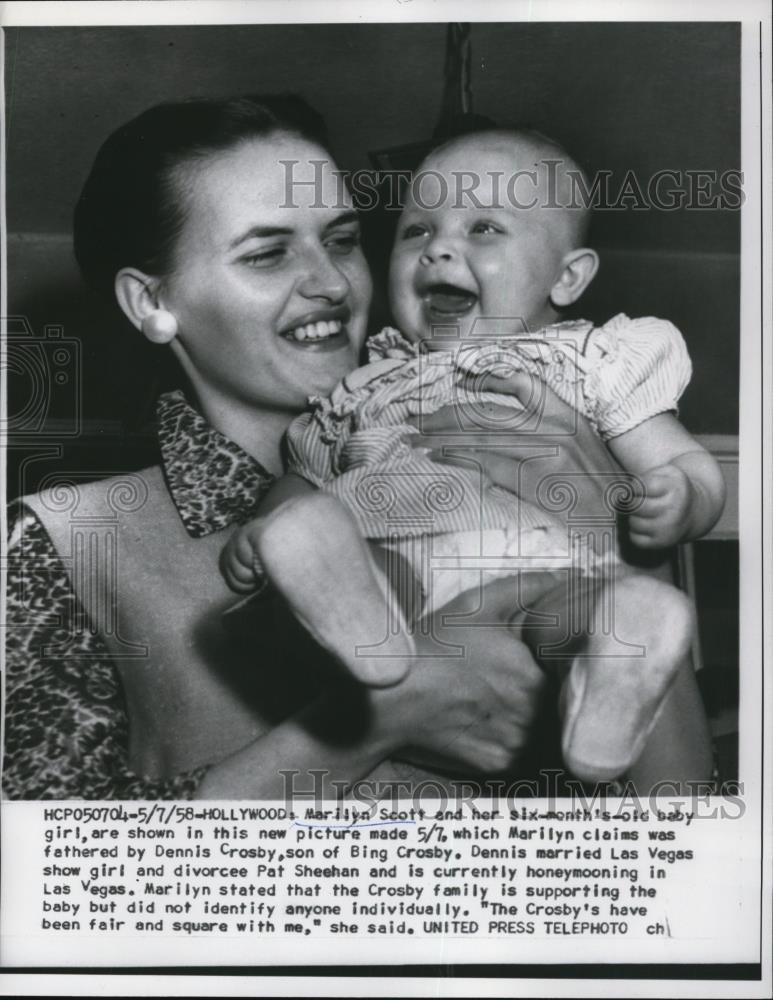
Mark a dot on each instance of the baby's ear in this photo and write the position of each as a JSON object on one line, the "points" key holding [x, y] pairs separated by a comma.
{"points": [[578, 269]]}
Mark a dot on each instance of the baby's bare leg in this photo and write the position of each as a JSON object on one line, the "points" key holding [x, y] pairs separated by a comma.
{"points": [[619, 642], [312, 551]]}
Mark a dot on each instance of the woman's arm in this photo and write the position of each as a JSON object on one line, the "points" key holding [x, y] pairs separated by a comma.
{"points": [[291, 755], [472, 711]]}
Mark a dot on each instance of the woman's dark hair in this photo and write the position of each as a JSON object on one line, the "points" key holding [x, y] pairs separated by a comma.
{"points": [[130, 211]]}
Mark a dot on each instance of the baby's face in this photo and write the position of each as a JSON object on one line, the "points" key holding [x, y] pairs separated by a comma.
{"points": [[454, 263]]}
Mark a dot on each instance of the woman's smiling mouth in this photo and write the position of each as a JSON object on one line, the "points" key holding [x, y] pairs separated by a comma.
{"points": [[321, 330], [325, 327]]}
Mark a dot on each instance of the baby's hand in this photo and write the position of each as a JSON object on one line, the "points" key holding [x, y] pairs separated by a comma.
{"points": [[664, 515], [238, 560]]}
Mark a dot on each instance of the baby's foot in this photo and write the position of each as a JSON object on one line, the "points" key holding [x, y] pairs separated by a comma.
{"points": [[313, 553], [610, 702]]}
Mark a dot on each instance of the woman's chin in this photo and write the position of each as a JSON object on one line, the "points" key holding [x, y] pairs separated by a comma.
{"points": [[326, 371]]}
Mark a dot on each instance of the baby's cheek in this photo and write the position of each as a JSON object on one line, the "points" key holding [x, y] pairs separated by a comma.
{"points": [[407, 316]]}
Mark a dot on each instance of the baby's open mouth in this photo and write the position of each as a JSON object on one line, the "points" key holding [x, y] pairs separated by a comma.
{"points": [[444, 301]]}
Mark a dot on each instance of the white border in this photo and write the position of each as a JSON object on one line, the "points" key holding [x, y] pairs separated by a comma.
{"points": [[160, 12]]}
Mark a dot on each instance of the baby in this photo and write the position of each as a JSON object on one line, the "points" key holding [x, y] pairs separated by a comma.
{"points": [[478, 275]]}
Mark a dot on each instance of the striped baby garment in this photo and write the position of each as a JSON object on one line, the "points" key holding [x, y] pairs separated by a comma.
{"points": [[355, 444]]}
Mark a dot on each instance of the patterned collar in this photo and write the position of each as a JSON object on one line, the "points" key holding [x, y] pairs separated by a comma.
{"points": [[213, 482]]}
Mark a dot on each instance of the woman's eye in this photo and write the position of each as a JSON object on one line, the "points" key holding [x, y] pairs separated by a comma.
{"points": [[265, 258], [344, 243]]}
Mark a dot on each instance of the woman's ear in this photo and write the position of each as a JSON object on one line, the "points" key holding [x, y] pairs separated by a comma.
{"points": [[578, 269], [137, 295]]}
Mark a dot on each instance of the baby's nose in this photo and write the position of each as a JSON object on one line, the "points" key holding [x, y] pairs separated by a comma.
{"points": [[438, 250]]}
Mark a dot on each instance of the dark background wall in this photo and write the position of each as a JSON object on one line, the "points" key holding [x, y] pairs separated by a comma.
{"points": [[645, 97]]}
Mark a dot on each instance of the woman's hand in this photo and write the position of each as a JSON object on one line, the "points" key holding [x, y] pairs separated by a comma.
{"points": [[472, 713], [536, 458], [474, 709]]}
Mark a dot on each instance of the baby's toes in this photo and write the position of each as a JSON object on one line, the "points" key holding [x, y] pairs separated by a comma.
{"points": [[238, 576]]}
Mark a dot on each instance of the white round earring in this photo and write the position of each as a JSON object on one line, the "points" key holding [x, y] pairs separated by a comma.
{"points": [[160, 327]]}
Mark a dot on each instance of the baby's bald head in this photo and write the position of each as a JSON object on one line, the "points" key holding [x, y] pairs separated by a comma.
{"points": [[489, 235], [541, 174]]}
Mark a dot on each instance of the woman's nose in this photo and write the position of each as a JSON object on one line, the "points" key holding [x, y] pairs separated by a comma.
{"points": [[324, 280]]}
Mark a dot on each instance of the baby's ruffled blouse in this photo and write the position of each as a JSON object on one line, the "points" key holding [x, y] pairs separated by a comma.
{"points": [[618, 375], [638, 368]]}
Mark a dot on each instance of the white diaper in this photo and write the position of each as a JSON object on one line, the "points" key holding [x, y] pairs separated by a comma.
{"points": [[451, 564]]}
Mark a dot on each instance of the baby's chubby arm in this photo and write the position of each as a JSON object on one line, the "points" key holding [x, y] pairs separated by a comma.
{"points": [[683, 490], [238, 559]]}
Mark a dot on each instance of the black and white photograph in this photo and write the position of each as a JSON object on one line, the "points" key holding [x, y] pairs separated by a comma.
{"points": [[315, 323]]}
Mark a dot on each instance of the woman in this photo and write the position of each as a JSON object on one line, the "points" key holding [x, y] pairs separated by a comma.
{"points": [[224, 233]]}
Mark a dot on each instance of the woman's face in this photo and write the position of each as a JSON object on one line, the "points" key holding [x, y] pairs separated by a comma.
{"points": [[270, 287]]}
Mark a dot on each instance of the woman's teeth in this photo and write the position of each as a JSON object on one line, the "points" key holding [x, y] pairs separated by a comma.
{"points": [[316, 331]]}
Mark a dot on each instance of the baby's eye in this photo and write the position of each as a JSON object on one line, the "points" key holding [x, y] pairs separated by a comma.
{"points": [[344, 243], [485, 228], [413, 231]]}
